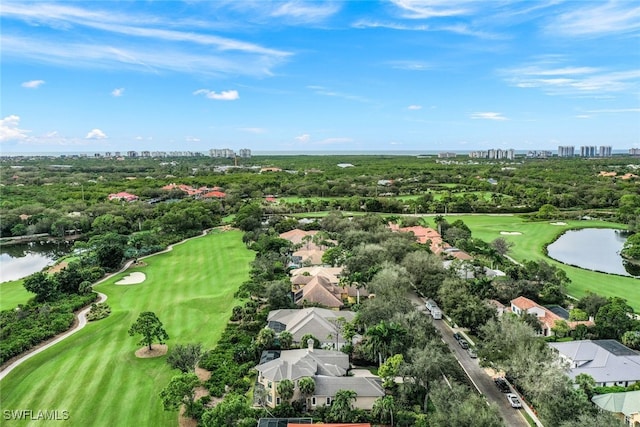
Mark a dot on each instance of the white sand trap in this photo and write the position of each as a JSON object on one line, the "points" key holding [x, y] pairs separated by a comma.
{"points": [[558, 223], [132, 279], [510, 233]]}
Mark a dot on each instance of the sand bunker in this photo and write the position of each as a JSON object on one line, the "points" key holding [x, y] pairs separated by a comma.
{"points": [[510, 233], [132, 279], [558, 223]]}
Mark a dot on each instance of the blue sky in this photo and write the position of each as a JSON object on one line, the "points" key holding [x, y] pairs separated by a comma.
{"points": [[318, 76]]}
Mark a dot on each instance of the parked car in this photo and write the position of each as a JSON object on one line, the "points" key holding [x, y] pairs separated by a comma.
{"points": [[457, 336], [463, 343], [472, 352], [513, 400], [502, 385]]}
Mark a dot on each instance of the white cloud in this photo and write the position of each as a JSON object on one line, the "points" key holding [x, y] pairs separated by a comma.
{"points": [[488, 116], [305, 137], [597, 18], [616, 110], [95, 134], [410, 65], [192, 139], [305, 11], [365, 23], [9, 130], [117, 92], [554, 78], [420, 9], [225, 95], [320, 90], [414, 107], [139, 41], [33, 84]]}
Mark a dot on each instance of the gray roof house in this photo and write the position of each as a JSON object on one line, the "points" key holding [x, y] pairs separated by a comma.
{"points": [[607, 361], [328, 369], [624, 406], [316, 321]]}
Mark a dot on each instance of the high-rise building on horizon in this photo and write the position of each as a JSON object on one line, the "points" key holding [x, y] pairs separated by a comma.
{"points": [[494, 154], [244, 153], [566, 150], [605, 151], [588, 151]]}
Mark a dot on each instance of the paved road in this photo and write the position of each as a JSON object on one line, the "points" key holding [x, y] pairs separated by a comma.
{"points": [[512, 417]]}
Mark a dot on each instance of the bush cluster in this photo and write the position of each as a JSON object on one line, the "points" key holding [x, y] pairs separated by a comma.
{"points": [[98, 311], [28, 325]]}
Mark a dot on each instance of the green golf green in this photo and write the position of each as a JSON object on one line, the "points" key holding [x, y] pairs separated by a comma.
{"points": [[529, 245], [13, 293], [94, 374]]}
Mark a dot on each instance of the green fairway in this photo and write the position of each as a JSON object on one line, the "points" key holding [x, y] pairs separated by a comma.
{"points": [[94, 374], [13, 293], [530, 246]]}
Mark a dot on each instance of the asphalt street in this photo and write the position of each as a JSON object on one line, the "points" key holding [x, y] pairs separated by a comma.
{"points": [[512, 417]]}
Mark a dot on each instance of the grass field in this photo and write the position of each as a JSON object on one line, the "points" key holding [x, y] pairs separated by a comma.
{"points": [[13, 293], [529, 246], [94, 374]]}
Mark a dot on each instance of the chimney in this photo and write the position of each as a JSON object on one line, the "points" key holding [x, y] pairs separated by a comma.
{"points": [[310, 344]]}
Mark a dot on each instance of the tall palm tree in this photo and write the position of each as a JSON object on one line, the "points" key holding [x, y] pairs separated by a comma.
{"points": [[342, 406], [307, 386], [383, 409]]}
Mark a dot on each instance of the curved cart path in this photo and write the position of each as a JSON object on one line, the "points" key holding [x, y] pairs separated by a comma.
{"points": [[82, 315]]}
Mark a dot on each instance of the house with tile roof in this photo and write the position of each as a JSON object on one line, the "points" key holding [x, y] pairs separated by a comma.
{"points": [[423, 235], [319, 291], [319, 322], [301, 237], [624, 406], [328, 369], [546, 317], [124, 196], [329, 277], [609, 362]]}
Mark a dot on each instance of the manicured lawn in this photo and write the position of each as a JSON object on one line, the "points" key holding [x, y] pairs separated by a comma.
{"points": [[95, 375], [13, 293], [529, 246]]}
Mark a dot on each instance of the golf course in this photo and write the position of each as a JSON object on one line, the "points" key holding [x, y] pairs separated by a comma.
{"points": [[529, 245], [95, 376]]}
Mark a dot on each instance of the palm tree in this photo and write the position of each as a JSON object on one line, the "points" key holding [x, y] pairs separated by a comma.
{"points": [[384, 340], [285, 389], [342, 406], [286, 339], [307, 386], [383, 409]]}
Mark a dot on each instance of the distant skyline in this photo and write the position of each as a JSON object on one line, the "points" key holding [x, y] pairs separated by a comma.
{"points": [[398, 75]]}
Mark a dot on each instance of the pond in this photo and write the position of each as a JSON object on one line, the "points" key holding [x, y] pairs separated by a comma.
{"points": [[595, 249], [21, 260]]}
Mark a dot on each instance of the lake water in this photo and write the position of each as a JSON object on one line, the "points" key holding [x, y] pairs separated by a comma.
{"points": [[593, 249], [18, 261]]}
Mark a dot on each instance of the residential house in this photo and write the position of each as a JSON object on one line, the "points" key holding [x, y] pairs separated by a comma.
{"points": [[214, 195], [609, 362], [319, 322], [327, 278], [546, 317], [319, 291], [423, 236], [624, 406], [328, 368], [301, 237], [127, 197]]}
